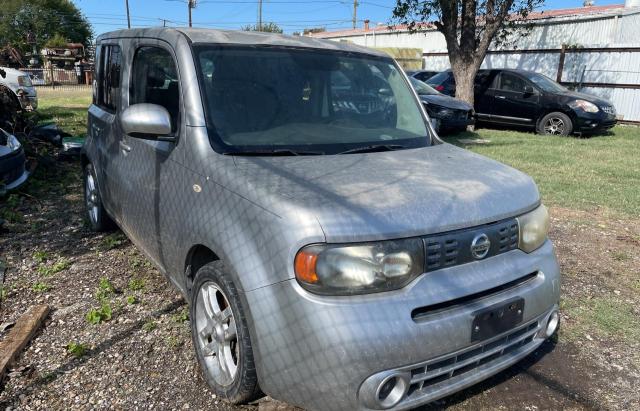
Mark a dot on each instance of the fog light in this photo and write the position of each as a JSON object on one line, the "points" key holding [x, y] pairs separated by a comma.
{"points": [[391, 390], [552, 324]]}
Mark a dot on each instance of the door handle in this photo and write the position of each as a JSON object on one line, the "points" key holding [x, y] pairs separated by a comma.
{"points": [[124, 147], [501, 97]]}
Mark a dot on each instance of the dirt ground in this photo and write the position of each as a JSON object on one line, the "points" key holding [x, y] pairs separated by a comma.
{"points": [[142, 357]]}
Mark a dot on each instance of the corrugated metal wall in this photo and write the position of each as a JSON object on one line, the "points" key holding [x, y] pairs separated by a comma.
{"points": [[617, 29]]}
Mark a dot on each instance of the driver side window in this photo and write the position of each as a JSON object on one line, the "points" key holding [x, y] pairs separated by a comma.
{"points": [[155, 80]]}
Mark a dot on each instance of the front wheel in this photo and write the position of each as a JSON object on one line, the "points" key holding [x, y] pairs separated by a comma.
{"points": [[98, 218], [555, 124], [221, 336]]}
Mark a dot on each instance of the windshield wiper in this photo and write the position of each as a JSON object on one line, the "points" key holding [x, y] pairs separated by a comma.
{"points": [[374, 148], [275, 152]]}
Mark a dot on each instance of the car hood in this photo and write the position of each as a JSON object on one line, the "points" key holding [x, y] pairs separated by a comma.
{"points": [[360, 197], [445, 101], [571, 95]]}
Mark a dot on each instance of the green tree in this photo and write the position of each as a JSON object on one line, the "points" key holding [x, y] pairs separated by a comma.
{"points": [[45, 19], [469, 28], [270, 27]]}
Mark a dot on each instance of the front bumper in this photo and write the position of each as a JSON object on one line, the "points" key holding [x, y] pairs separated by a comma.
{"points": [[316, 352], [13, 172], [594, 122]]}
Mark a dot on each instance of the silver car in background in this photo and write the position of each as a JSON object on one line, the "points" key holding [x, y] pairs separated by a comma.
{"points": [[20, 88], [335, 253]]}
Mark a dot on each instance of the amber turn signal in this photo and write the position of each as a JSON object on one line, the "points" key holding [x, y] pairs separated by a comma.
{"points": [[305, 267]]}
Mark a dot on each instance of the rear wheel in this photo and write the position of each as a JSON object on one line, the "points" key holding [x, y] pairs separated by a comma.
{"points": [[98, 218], [221, 337], [555, 124]]}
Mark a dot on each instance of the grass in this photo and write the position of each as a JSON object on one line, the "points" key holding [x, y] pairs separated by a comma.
{"points": [[602, 316], [66, 108], [582, 173]]}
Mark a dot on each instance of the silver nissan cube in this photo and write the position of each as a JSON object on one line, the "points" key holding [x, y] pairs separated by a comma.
{"points": [[335, 253]]}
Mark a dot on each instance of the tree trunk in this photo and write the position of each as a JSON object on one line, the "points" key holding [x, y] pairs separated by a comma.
{"points": [[464, 73]]}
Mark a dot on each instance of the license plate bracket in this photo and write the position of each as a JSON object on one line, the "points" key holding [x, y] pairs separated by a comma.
{"points": [[497, 319]]}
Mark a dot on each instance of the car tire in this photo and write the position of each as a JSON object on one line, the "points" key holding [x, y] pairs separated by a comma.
{"points": [[225, 357], [555, 123], [97, 216]]}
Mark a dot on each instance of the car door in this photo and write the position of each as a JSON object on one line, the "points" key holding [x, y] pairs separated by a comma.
{"points": [[151, 165], [484, 89], [104, 127], [515, 100]]}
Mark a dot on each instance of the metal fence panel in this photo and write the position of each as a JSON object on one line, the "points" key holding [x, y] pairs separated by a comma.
{"points": [[60, 78]]}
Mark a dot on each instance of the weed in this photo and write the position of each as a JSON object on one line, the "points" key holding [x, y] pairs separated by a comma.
{"points": [[60, 265], [173, 341], [76, 349], [138, 262], [3, 293], [41, 256], [131, 299], [105, 289], [98, 315], [136, 284], [40, 287], [182, 316], [149, 326], [113, 240]]}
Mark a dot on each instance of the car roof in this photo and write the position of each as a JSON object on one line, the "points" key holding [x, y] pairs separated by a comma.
{"points": [[241, 38]]}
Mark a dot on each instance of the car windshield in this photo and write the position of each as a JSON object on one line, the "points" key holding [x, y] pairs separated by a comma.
{"points": [[422, 88], [545, 83], [263, 100]]}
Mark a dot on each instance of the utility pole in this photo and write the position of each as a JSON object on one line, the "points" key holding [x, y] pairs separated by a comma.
{"points": [[259, 15], [126, 3], [191, 4], [355, 12]]}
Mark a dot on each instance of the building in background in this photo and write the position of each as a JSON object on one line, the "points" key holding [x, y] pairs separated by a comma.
{"points": [[594, 49]]}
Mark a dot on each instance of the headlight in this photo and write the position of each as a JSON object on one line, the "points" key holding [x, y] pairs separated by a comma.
{"points": [[13, 143], [534, 227], [359, 268], [584, 105]]}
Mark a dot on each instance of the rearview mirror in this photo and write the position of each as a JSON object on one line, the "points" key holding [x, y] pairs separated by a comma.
{"points": [[147, 121], [528, 89]]}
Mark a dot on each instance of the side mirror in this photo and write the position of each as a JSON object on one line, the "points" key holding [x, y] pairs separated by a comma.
{"points": [[528, 89], [147, 121]]}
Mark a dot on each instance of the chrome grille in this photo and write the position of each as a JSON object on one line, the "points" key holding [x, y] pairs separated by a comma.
{"points": [[428, 376]]}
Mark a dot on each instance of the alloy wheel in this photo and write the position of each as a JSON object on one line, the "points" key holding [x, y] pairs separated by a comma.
{"points": [[91, 198], [554, 126], [217, 334]]}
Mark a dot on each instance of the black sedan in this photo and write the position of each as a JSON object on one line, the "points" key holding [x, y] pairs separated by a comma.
{"points": [[447, 113], [12, 162]]}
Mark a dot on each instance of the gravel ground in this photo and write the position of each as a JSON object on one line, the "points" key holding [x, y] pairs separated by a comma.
{"points": [[142, 357]]}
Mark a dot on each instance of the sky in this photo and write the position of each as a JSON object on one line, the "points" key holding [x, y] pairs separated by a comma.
{"points": [[291, 15]]}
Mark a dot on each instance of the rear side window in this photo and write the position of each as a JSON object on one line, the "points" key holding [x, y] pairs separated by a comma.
{"points": [[155, 81], [511, 82], [108, 85]]}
